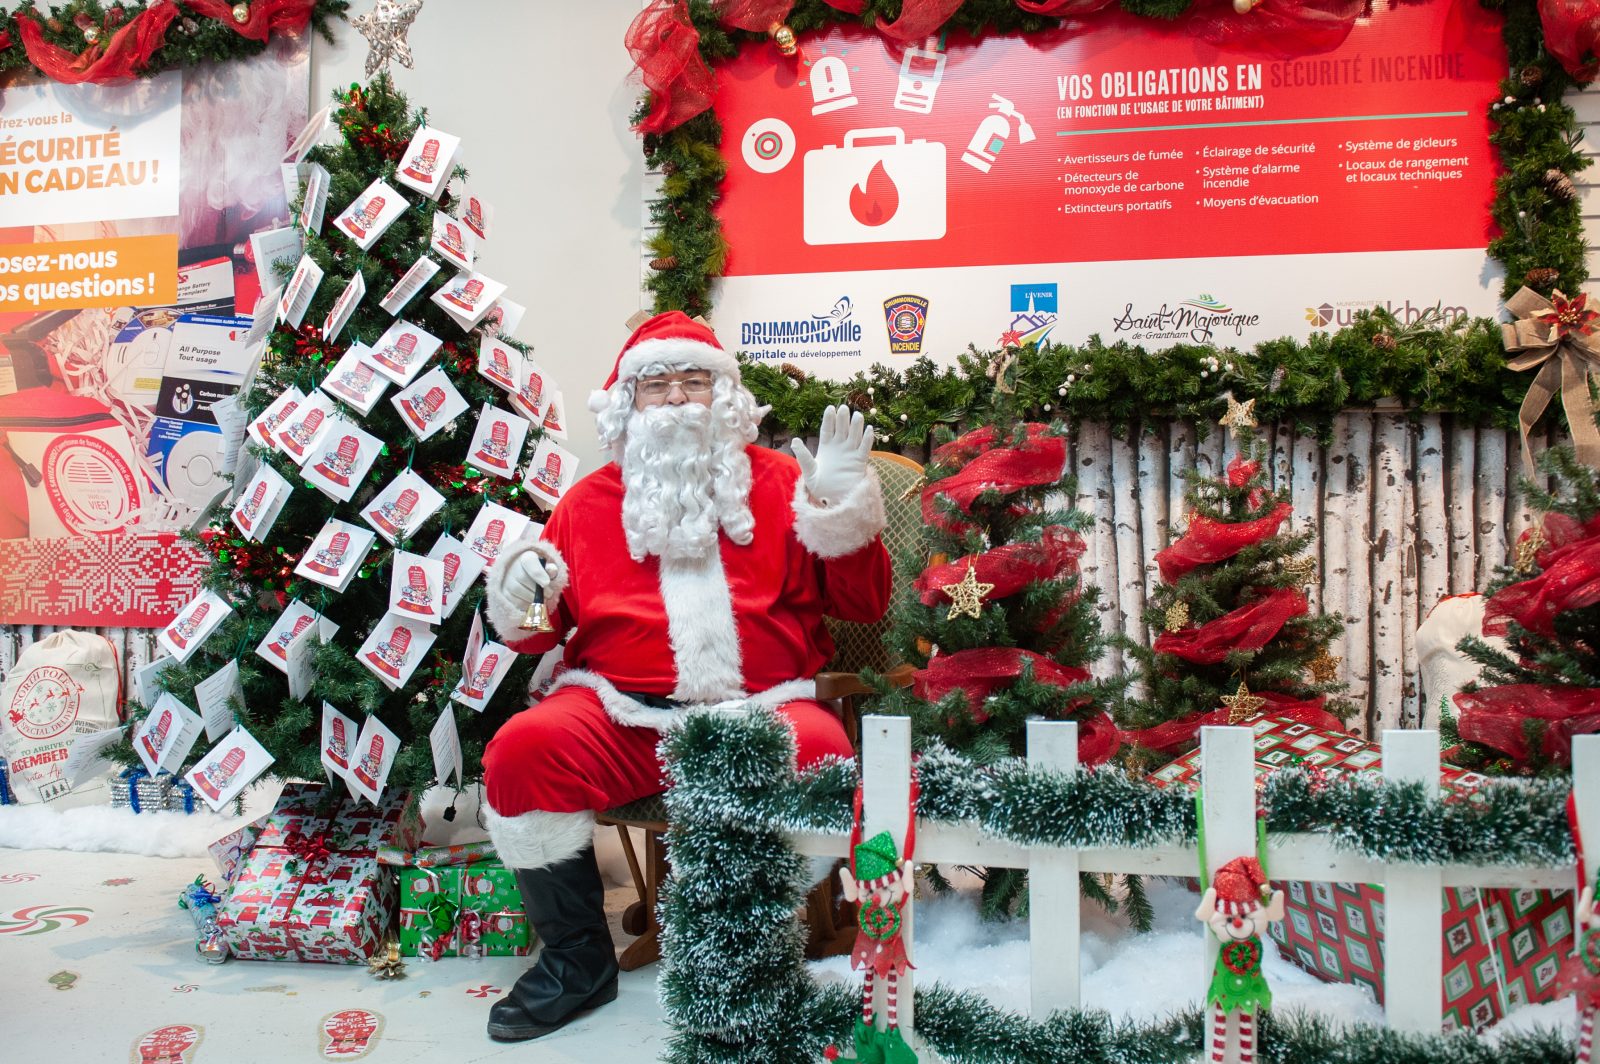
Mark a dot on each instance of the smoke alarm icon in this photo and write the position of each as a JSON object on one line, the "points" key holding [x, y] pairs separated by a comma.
{"points": [[875, 188]]}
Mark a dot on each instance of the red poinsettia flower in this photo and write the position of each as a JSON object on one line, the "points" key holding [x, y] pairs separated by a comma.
{"points": [[1011, 338], [1569, 317]]}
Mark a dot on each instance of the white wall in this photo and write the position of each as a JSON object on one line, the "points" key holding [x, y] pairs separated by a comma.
{"points": [[540, 96]]}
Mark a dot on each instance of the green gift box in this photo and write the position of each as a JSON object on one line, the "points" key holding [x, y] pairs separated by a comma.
{"points": [[471, 909]]}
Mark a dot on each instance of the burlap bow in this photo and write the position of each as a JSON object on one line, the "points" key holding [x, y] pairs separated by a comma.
{"points": [[1556, 336]]}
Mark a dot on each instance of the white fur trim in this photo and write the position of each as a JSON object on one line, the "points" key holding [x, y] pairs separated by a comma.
{"points": [[506, 615], [835, 531], [599, 399], [691, 354], [629, 713], [538, 839], [701, 628]]}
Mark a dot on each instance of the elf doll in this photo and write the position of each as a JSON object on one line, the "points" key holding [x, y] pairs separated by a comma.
{"points": [[1580, 973], [881, 883], [1237, 915]]}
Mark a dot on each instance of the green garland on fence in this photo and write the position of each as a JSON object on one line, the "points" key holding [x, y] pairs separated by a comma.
{"points": [[191, 40], [1438, 366], [734, 986]]}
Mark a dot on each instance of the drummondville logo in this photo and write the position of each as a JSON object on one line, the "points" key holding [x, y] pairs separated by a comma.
{"points": [[1198, 319], [906, 317], [832, 335], [1344, 312]]}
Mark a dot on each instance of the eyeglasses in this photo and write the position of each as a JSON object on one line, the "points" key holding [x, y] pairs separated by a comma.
{"points": [[660, 389]]}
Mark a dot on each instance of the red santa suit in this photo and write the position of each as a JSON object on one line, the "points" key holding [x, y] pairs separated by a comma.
{"points": [[651, 638]]}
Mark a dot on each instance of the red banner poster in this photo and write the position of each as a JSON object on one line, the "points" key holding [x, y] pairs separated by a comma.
{"points": [[895, 179]]}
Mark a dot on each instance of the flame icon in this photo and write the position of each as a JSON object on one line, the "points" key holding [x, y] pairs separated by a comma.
{"points": [[875, 200]]}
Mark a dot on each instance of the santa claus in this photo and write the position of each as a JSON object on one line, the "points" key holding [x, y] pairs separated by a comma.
{"points": [[693, 570]]}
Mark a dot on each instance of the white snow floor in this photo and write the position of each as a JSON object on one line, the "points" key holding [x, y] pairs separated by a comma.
{"points": [[114, 929]]}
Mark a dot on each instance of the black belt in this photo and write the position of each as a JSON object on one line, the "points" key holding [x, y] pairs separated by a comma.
{"points": [[655, 701]]}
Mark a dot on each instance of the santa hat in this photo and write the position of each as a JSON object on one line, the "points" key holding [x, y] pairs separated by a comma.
{"points": [[673, 338], [1239, 884]]}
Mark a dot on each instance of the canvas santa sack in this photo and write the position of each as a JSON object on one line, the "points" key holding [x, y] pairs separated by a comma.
{"points": [[65, 685]]}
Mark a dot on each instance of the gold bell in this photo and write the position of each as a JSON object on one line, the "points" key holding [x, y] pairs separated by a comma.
{"points": [[537, 618]]}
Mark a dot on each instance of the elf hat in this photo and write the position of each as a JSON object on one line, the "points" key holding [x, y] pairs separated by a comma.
{"points": [[876, 858], [673, 338], [1239, 884]]}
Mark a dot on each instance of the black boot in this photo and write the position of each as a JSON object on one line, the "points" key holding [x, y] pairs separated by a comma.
{"points": [[577, 965]]}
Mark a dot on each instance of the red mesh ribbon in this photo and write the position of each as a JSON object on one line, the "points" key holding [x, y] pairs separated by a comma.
{"points": [[1035, 461], [982, 671], [1560, 532], [1250, 627], [1062, 8], [1572, 35], [666, 48], [849, 7], [1494, 716], [1570, 581], [266, 16], [1280, 28], [1207, 540], [1167, 737], [918, 19], [757, 16], [1009, 568], [129, 49], [1241, 471]]}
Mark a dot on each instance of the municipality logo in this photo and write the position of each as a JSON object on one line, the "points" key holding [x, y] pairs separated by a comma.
{"points": [[1033, 314], [906, 317], [1344, 312], [1195, 320], [821, 335]]}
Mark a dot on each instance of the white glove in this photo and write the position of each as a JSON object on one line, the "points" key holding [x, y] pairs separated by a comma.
{"points": [[525, 578], [840, 464]]}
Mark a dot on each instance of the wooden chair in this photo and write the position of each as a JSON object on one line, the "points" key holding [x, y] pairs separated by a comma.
{"points": [[831, 922]]}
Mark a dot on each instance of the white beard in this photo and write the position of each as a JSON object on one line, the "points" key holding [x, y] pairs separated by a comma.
{"points": [[685, 474]]}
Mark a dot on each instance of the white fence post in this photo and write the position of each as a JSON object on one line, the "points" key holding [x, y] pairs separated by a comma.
{"points": [[1586, 797], [885, 806], [1413, 903], [1054, 902], [1228, 779]]}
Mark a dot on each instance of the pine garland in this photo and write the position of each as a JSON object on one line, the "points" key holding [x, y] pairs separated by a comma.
{"points": [[1435, 366], [734, 987], [191, 39]]}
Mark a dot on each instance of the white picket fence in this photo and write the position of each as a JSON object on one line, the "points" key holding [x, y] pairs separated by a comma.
{"points": [[1413, 899]]}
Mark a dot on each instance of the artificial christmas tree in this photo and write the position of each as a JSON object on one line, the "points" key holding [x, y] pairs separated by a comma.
{"points": [[1236, 637], [338, 466]]}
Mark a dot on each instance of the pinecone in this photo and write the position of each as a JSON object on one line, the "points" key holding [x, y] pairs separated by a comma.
{"points": [[665, 262], [793, 372], [859, 400], [1384, 342], [1541, 277], [1532, 75], [55, 25], [1560, 185]]}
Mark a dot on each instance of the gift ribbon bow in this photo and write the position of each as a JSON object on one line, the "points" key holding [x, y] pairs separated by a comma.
{"points": [[312, 849], [1556, 336]]}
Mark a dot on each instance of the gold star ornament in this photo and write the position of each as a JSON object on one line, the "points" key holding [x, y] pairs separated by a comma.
{"points": [[1239, 415], [1301, 570], [385, 28], [1177, 616], [1324, 667], [966, 598], [1242, 705], [1528, 550]]}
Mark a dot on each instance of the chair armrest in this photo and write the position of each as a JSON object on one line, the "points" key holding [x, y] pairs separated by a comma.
{"points": [[832, 685]]}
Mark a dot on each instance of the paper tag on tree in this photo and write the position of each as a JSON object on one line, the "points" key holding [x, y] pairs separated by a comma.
{"points": [[498, 363], [375, 752], [534, 390], [296, 619], [339, 734], [553, 470], [454, 241], [412, 282], [315, 205], [274, 248], [194, 623], [83, 758], [260, 503], [468, 297], [496, 445], [402, 507], [476, 213], [346, 454], [430, 404], [307, 427], [555, 416], [395, 648], [298, 294], [165, 737], [446, 743], [416, 588], [336, 554], [481, 679], [343, 307], [356, 380], [228, 768], [495, 528], [265, 428], [310, 135], [371, 213], [503, 318], [402, 351], [214, 694], [461, 567], [425, 166]]}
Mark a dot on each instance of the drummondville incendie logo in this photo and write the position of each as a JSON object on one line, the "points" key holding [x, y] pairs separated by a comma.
{"points": [[1196, 320], [906, 317], [1342, 313], [832, 335], [46, 703]]}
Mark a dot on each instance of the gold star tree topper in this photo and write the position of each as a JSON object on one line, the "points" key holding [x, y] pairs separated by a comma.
{"points": [[1324, 667], [385, 28], [1239, 415], [1242, 705], [1528, 550], [967, 596]]}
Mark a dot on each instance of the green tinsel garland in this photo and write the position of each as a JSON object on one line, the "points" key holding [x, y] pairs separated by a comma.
{"points": [[734, 986], [1435, 367], [191, 39]]}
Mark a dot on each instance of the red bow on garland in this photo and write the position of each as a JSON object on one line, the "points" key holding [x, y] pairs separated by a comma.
{"points": [[129, 49], [265, 17], [1280, 28], [1250, 627], [1572, 35]]}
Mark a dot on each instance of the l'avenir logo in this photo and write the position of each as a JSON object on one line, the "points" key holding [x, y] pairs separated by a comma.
{"points": [[1197, 319]]}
